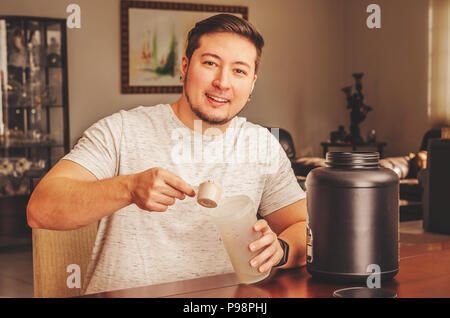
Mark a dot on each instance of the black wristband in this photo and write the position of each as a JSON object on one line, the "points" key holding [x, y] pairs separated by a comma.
{"points": [[284, 259]]}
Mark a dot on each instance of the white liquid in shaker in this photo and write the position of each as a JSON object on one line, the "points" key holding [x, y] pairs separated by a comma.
{"points": [[240, 259], [234, 219]]}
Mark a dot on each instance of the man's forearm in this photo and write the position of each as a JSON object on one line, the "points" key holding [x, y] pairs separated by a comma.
{"points": [[295, 236], [65, 204]]}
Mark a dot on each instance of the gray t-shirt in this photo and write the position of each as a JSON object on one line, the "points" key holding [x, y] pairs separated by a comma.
{"points": [[135, 247]]}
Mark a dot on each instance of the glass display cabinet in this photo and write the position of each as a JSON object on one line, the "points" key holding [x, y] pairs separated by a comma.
{"points": [[34, 124]]}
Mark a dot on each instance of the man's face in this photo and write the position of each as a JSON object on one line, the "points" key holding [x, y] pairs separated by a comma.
{"points": [[219, 77]]}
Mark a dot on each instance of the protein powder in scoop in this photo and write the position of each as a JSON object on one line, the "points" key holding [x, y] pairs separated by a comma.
{"points": [[209, 194]]}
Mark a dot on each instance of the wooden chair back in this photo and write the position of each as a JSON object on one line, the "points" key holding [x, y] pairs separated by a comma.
{"points": [[57, 256]]}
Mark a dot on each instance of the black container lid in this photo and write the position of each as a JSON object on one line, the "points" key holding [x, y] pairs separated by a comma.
{"points": [[352, 170], [353, 160]]}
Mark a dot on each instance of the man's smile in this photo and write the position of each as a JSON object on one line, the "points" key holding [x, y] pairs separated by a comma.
{"points": [[216, 100]]}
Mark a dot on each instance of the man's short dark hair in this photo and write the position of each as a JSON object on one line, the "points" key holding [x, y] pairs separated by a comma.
{"points": [[224, 23]]}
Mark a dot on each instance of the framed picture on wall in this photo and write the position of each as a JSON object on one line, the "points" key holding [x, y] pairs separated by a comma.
{"points": [[153, 38]]}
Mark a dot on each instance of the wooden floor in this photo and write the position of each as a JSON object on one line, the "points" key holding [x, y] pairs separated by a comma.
{"points": [[16, 274]]}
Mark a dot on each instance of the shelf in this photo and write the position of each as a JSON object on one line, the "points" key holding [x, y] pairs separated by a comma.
{"points": [[33, 128], [31, 144], [13, 196], [27, 106], [42, 66]]}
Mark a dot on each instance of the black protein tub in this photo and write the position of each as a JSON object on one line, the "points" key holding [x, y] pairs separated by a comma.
{"points": [[353, 218]]}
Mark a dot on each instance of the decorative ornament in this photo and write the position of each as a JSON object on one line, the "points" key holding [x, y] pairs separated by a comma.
{"points": [[6, 167], [23, 165]]}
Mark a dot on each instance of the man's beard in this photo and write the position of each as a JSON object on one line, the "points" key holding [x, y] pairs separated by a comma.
{"points": [[198, 113], [204, 117]]}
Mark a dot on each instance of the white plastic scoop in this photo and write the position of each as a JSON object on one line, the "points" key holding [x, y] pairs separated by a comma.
{"points": [[209, 194]]}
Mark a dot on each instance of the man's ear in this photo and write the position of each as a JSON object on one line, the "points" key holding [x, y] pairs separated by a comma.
{"points": [[184, 66], [253, 84]]}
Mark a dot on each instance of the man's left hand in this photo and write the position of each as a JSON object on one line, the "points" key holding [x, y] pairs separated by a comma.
{"points": [[268, 248]]}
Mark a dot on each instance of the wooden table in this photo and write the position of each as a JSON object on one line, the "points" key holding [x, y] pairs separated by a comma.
{"points": [[424, 272]]}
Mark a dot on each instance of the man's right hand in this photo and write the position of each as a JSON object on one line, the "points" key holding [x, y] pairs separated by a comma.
{"points": [[156, 189], [70, 196]]}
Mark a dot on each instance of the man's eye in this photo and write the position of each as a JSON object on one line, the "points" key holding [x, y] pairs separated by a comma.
{"points": [[242, 72], [209, 63]]}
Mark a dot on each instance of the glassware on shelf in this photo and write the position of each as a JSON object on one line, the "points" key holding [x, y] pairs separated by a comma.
{"points": [[14, 174], [54, 45], [33, 99]]}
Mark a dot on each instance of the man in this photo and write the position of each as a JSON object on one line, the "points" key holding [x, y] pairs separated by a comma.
{"points": [[125, 172]]}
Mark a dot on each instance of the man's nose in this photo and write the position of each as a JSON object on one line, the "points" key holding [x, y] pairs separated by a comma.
{"points": [[222, 80]]}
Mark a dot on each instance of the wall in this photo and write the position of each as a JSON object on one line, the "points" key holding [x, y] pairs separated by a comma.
{"points": [[301, 71], [312, 47], [298, 83], [394, 59]]}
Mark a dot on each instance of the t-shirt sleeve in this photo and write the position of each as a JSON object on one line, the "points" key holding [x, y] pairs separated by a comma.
{"points": [[281, 187], [98, 150]]}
